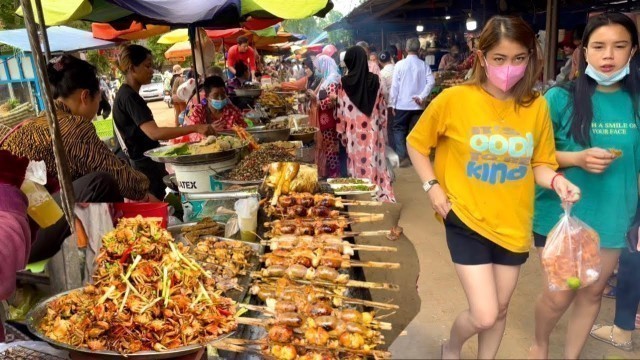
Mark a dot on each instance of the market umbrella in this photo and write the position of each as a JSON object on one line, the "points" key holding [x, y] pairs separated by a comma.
{"points": [[178, 51], [174, 36], [218, 14], [136, 31]]}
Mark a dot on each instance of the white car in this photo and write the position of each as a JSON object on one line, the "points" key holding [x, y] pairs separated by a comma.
{"points": [[154, 90]]}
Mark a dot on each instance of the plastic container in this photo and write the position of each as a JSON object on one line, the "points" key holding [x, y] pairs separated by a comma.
{"points": [[147, 210], [42, 208], [247, 211], [201, 178]]}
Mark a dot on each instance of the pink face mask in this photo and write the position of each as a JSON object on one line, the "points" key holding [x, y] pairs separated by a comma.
{"points": [[506, 76]]}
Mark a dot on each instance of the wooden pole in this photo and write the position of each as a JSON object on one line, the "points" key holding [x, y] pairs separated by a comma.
{"points": [[43, 30], [62, 162], [192, 35], [551, 47]]}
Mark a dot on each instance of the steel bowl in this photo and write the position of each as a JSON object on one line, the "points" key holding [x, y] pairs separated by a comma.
{"points": [[264, 135], [306, 137], [38, 312]]}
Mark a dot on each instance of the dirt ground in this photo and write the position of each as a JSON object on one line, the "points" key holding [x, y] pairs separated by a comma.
{"points": [[441, 294]]}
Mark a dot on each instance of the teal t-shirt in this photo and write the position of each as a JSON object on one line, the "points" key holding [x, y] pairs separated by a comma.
{"points": [[609, 200]]}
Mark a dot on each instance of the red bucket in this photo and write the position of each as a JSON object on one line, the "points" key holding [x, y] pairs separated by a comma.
{"points": [[146, 210]]}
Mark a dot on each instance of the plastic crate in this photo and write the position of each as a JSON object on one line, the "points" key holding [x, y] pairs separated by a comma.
{"points": [[104, 128]]}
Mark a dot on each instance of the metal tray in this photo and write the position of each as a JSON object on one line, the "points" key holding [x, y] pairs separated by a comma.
{"points": [[156, 155], [37, 313], [243, 281], [264, 135]]}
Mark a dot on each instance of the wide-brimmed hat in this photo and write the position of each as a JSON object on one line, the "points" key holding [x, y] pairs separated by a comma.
{"points": [[177, 69]]}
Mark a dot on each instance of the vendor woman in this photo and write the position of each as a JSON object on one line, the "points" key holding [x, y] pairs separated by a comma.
{"points": [[134, 120], [214, 109], [97, 174]]}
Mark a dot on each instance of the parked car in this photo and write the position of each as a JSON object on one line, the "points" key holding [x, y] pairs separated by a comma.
{"points": [[154, 90]]}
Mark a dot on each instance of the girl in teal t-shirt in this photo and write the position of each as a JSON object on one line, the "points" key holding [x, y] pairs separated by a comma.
{"points": [[594, 118]]}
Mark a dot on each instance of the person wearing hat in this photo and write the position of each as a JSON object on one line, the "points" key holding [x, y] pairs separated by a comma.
{"points": [[178, 104]]}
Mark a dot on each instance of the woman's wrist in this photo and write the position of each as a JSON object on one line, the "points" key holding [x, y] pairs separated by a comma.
{"points": [[553, 180]]}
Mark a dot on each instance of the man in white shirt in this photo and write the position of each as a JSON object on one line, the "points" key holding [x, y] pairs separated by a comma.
{"points": [[412, 83]]}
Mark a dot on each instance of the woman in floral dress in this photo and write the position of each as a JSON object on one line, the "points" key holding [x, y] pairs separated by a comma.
{"points": [[362, 120], [322, 115]]}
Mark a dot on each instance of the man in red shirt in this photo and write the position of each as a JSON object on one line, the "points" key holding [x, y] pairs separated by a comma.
{"points": [[242, 52]]}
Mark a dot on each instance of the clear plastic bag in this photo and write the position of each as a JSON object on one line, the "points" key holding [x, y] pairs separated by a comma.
{"points": [[571, 257]]}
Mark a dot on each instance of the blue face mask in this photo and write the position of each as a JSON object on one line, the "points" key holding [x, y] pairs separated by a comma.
{"points": [[608, 80], [218, 104]]}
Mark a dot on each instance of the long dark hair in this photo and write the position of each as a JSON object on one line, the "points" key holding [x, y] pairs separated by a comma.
{"points": [[583, 88]]}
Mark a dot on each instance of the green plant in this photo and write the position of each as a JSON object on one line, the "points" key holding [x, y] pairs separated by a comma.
{"points": [[101, 63], [13, 103]]}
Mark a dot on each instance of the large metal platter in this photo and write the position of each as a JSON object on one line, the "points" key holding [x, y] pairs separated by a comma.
{"points": [[38, 312], [243, 281], [264, 135], [157, 156]]}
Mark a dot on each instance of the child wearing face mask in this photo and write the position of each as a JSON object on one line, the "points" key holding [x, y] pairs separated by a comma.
{"points": [[214, 109], [493, 142], [597, 142]]}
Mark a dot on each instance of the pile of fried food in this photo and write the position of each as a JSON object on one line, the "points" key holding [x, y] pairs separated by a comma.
{"points": [[286, 177], [204, 227], [305, 286], [148, 294], [252, 167]]}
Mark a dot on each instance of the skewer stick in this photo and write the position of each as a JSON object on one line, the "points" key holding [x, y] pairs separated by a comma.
{"points": [[348, 300], [375, 324], [373, 264], [350, 283], [318, 244]]}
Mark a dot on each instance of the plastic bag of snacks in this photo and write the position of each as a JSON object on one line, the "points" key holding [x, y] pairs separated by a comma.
{"points": [[571, 257]]}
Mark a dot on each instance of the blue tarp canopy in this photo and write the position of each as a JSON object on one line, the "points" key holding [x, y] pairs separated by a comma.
{"points": [[62, 39]]}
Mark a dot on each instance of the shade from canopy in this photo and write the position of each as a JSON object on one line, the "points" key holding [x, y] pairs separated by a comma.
{"points": [[174, 36], [62, 39]]}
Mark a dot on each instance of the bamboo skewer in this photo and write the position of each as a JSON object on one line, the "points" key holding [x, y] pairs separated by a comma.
{"points": [[350, 283], [363, 264], [358, 220], [380, 354], [356, 247], [346, 299], [376, 324]]}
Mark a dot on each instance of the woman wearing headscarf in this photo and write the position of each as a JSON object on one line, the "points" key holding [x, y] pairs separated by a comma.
{"points": [[321, 115], [362, 120], [306, 82]]}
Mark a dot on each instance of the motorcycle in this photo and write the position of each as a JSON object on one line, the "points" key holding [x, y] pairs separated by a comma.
{"points": [[168, 99]]}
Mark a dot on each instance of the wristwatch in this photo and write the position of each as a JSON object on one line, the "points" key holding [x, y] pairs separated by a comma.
{"points": [[429, 184]]}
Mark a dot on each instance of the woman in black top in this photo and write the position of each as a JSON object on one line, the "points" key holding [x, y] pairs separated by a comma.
{"points": [[134, 119]]}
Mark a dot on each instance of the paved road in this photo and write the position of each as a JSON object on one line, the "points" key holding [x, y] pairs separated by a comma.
{"points": [[161, 113]]}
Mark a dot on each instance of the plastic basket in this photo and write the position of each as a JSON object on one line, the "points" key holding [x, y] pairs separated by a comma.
{"points": [[104, 128]]}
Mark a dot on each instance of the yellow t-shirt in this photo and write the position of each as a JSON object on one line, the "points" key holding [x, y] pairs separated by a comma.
{"points": [[486, 152]]}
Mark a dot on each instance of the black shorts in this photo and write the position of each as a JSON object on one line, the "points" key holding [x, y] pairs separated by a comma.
{"points": [[467, 247], [539, 240]]}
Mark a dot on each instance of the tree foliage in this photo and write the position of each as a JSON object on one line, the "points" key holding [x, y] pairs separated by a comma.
{"points": [[157, 51], [99, 61], [312, 27], [8, 17]]}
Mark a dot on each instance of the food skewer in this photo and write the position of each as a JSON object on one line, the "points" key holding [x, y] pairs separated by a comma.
{"points": [[329, 229], [340, 221], [329, 200], [299, 211], [348, 315], [268, 291], [309, 258], [322, 276], [378, 354], [295, 318], [310, 242]]}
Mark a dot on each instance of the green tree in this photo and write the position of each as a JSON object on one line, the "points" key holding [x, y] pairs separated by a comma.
{"points": [[8, 17], [99, 61], [157, 51]]}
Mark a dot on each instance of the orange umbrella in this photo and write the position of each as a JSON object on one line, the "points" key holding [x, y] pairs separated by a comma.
{"points": [[136, 31]]}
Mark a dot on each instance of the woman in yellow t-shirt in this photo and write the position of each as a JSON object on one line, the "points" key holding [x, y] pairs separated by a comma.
{"points": [[494, 141]]}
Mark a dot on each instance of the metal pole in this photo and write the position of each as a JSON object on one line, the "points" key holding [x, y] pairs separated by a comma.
{"points": [[551, 48], [62, 163], [43, 30], [193, 57]]}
